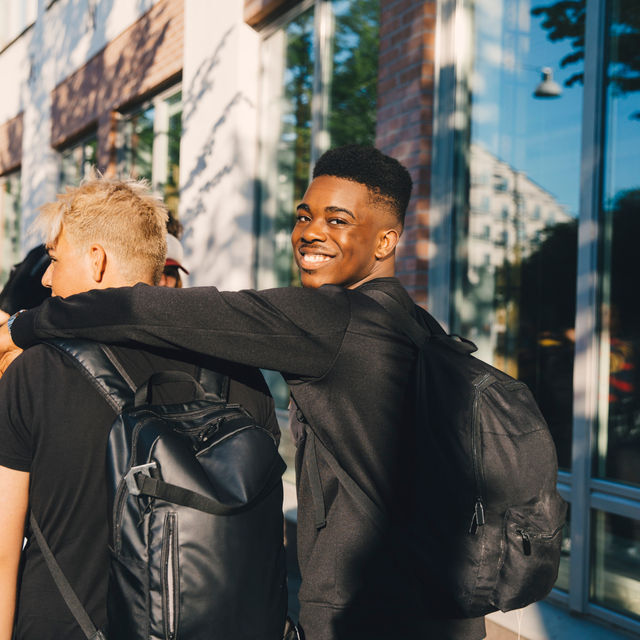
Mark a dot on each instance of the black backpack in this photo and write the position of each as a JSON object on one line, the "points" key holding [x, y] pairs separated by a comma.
{"points": [[196, 540], [482, 520]]}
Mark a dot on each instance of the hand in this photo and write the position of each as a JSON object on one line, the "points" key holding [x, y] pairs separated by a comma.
{"points": [[7, 358], [8, 351]]}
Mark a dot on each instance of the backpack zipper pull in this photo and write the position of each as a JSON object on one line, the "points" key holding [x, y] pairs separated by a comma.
{"points": [[477, 520], [526, 542]]}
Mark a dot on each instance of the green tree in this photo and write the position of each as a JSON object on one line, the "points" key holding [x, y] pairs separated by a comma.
{"points": [[354, 87]]}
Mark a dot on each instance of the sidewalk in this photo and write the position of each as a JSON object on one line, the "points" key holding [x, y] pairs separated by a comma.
{"points": [[540, 621]]}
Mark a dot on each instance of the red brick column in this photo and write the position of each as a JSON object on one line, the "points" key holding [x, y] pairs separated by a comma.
{"points": [[140, 60], [404, 124], [11, 144]]}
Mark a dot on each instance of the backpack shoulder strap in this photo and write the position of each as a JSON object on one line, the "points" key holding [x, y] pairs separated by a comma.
{"points": [[66, 590], [101, 367], [100, 364], [403, 319], [414, 329], [215, 385]]}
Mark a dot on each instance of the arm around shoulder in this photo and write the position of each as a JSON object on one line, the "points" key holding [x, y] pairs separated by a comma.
{"points": [[290, 329]]}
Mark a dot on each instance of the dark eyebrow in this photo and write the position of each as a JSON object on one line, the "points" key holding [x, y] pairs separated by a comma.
{"points": [[339, 210], [305, 207]]}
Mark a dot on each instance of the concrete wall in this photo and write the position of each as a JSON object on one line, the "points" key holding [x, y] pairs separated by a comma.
{"points": [[219, 143]]}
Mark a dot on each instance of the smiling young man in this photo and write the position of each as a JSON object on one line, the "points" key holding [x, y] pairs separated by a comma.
{"points": [[54, 425], [349, 371]]}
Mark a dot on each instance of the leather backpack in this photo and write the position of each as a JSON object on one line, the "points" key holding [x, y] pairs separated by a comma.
{"points": [[196, 538]]}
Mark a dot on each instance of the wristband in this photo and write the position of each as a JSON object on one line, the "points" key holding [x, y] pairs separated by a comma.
{"points": [[11, 320]]}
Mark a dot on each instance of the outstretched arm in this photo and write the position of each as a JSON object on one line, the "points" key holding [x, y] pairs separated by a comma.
{"points": [[292, 330], [14, 499]]}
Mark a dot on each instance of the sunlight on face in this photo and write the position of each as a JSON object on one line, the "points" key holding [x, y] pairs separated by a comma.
{"points": [[70, 269]]}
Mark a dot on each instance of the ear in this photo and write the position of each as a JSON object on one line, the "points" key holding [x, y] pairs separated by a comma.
{"points": [[98, 262], [387, 241]]}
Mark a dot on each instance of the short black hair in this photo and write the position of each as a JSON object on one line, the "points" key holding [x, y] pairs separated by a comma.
{"points": [[387, 180]]}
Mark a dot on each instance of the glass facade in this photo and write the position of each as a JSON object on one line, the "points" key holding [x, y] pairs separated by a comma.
{"points": [[543, 265], [150, 145], [517, 231], [10, 221], [618, 443]]}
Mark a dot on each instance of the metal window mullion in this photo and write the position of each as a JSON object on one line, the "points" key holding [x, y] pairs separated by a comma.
{"points": [[453, 68], [324, 28], [441, 207], [586, 377]]}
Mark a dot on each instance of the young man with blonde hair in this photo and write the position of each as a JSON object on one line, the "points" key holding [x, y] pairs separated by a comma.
{"points": [[54, 425]]}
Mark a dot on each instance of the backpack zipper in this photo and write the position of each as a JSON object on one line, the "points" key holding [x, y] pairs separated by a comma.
{"points": [[526, 538], [170, 576], [526, 541], [478, 517], [122, 491]]}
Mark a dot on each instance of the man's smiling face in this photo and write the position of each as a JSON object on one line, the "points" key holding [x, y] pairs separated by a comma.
{"points": [[341, 236]]}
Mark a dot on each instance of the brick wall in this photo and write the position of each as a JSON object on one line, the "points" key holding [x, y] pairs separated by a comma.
{"points": [[140, 60], [11, 144], [404, 123]]}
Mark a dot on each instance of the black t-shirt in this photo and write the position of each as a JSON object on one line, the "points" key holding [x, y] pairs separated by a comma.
{"points": [[54, 424]]}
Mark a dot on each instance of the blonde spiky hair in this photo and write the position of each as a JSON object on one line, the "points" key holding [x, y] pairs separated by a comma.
{"points": [[123, 216]]}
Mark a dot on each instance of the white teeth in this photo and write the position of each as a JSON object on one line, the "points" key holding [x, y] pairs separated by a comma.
{"points": [[315, 258]]}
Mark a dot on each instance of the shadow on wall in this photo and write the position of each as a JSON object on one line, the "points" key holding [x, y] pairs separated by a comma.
{"points": [[120, 73], [76, 105], [208, 173]]}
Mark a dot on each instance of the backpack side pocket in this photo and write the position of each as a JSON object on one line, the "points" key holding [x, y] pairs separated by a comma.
{"points": [[529, 561]]}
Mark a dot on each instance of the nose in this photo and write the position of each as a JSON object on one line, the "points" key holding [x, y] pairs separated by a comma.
{"points": [[47, 276], [314, 230]]}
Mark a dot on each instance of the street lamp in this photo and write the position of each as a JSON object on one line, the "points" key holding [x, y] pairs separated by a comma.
{"points": [[548, 88]]}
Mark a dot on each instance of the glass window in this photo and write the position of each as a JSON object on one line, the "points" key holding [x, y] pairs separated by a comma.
{"points": [[313, 100], [77, 160], [150, 145], [531, 145], [289, 62], [615, 564], [10, 220], [618, 451]]}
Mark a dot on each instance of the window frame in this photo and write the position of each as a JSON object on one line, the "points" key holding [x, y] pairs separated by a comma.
{"points": [[91, 134], [126, 113]]}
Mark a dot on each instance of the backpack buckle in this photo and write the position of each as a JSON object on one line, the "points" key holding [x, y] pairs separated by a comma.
{"points": [[130, 477]]}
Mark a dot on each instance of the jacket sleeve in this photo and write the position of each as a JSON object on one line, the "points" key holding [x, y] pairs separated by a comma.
{"points": [[292, 330]]}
